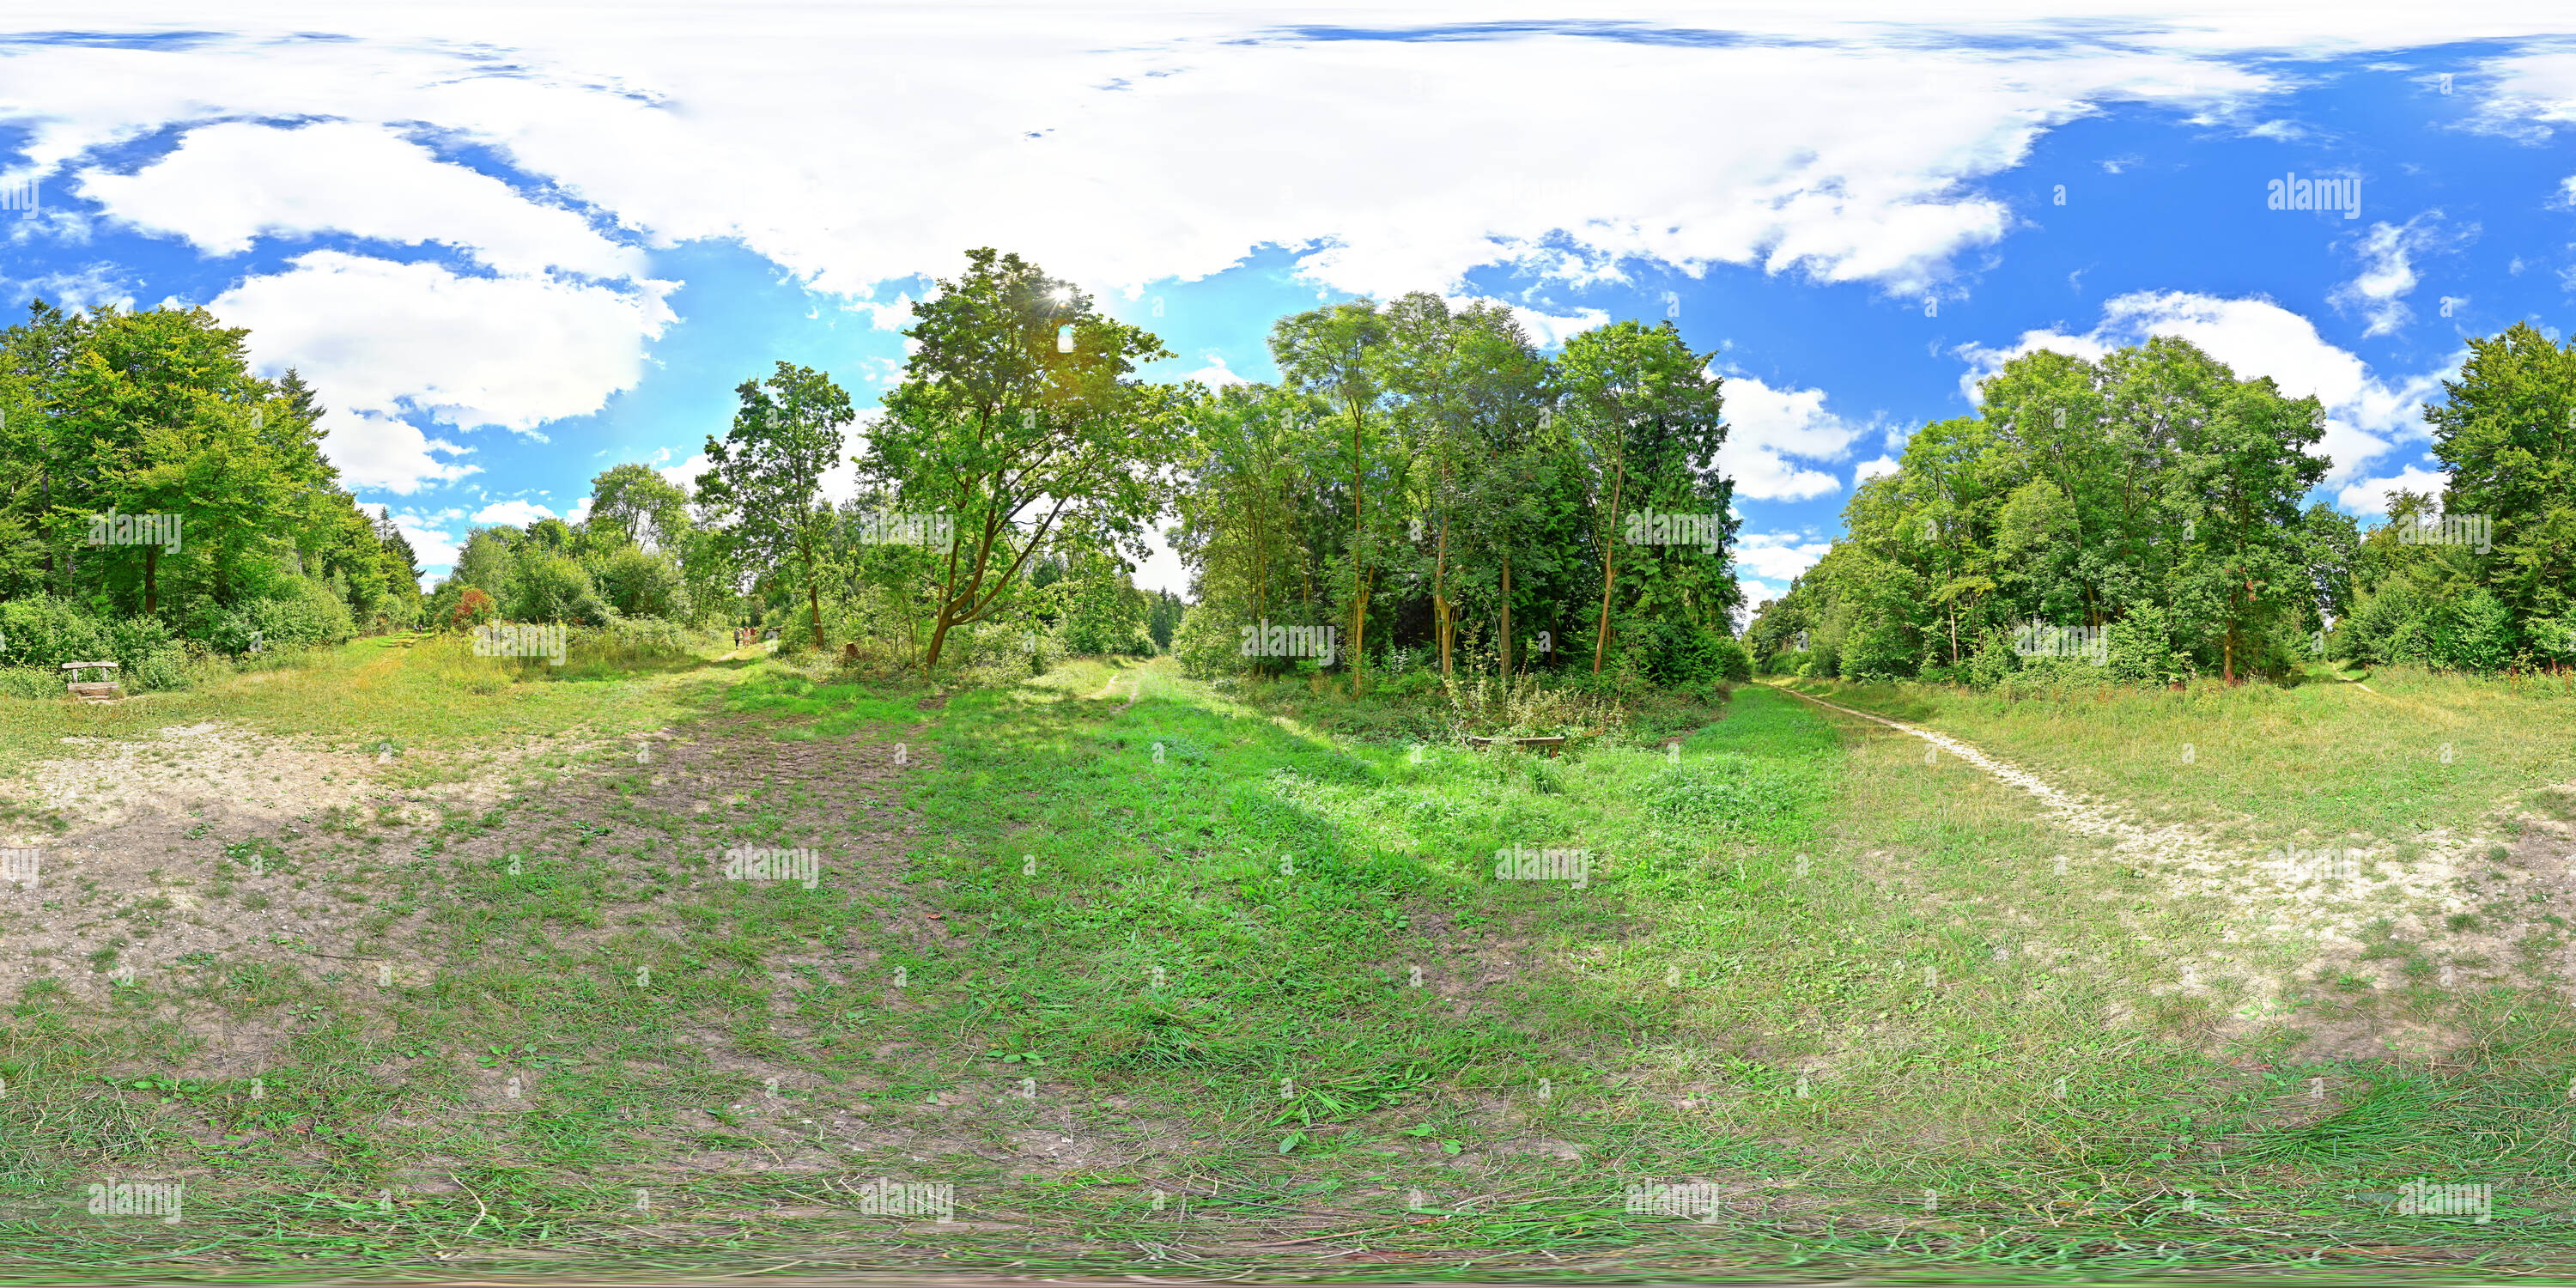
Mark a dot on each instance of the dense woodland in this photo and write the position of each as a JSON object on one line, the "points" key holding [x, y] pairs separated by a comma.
{"points": [[1424, 483], [2158, 494]]}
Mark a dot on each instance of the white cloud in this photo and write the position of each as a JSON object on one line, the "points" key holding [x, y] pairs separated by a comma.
{"points": [[1402, 168], [1778, 556], [1216, 375], [1766, 562], [685, 474], [431, 542], [2369, 497], [1875, 467], [381, 453], [386, 338], [580, 512], [2365, 415], [1766, 427], [88, 287], [2388, 271], [229, 183], [517, 514]]}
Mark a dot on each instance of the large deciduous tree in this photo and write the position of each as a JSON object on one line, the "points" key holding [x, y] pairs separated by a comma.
{"points": [[995, 418], [763, 487]]}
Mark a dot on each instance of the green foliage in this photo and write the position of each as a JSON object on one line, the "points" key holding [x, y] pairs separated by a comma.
{"points": [[41, 632], [763, 488], [993, 420], [308, 615], [552, 588], [158, 413], [642, 583]]}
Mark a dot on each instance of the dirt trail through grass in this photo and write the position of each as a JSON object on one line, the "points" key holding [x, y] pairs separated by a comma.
{"points": [[2082, 815], [2283, 918]]}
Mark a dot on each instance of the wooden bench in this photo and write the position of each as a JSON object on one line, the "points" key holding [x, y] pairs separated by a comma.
{"points": [[95, 690]]}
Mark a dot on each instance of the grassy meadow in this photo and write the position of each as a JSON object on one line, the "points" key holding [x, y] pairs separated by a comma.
{"points": [[1197, 979]]}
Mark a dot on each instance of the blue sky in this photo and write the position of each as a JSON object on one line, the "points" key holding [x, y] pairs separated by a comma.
{"points": [[513, 246]]}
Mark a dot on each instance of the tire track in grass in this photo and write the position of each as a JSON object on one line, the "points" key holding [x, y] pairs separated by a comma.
{"points": [[2282, 906]]}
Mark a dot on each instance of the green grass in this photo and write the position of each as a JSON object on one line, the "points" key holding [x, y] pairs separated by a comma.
{"points": [[1217, 944]]}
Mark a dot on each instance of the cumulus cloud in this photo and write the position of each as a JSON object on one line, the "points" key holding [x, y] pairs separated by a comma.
{"points": [[1216, 375], [1875, 467], [2370, 497], [227, 184], [388, 339], [1768, 427], [1766, 562], [382, 453], [432, 541], [2365, 414], [681, 124], [685, 474], [88, 287], [517, 514]]}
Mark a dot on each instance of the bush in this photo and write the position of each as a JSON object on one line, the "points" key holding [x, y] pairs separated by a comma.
{"points": [[2142, 649], [473, 608], [555, 589], [307, 615], [1733, 663], [1209, 642], [1992, 663], [1681, 655], [639, 583], [41, 632]]}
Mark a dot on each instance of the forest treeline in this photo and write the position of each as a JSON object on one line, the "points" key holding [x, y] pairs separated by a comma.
{"points": [[1424, 493], [2157, 494]]}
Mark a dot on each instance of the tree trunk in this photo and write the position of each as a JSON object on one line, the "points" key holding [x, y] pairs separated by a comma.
{"points": [[1609, 543], [152, 580], [1505, 642], [814, 601]]}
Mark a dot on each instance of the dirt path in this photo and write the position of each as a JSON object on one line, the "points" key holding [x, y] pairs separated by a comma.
{"points": [[2315, 914]]}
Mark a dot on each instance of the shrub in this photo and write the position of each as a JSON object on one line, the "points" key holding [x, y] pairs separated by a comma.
{"points": [[640, 583], [555, 589], [473, 608], [306, 615], [1992, 663], [42, 632], [1733, 663], [2142, 649], [1208, 642]]}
